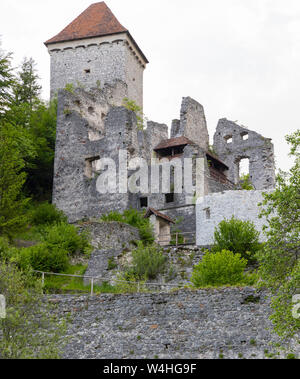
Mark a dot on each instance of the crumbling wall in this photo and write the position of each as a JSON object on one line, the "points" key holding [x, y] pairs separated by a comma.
{"points": [[192, 123], [233, 143], [84, 136], [216, 207]]}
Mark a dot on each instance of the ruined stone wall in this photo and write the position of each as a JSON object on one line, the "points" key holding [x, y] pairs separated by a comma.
{"points": [[192, 123], [229, 323], [88, 128], [233, 143], [217, 207]]}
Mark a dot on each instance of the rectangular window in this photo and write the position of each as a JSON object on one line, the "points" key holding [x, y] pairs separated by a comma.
{"points": [[170, 198], [144, 202], [91, 167]]}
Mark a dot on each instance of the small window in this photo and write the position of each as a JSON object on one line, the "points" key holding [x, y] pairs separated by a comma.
{"points": [[228, 139], [87, 71], [170, 198], [245, 136], [144, 202], [91, 110], [207, 213], [91, 166]]}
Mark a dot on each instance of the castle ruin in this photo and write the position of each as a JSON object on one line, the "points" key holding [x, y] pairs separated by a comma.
{"points": [[95, 65]]}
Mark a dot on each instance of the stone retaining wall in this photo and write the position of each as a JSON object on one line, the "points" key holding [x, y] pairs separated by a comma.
{"points": [[224, 323]]}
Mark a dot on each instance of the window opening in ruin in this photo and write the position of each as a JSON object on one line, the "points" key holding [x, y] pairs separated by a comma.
{"points": [[170, 198], [228, 139], [207, 213], [244, 168], [92, 165], [87, 71], [144, 202], [245, 136]]}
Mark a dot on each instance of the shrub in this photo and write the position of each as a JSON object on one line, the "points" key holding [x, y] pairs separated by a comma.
{"points": [[148, 262], [46, 213], [66, 237], [218, 269], [6, 251], [136, 219], [43, 257], [237, 236]]}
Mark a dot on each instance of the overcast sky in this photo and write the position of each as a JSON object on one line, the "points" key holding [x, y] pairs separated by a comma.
{"points": [[239, 58]]}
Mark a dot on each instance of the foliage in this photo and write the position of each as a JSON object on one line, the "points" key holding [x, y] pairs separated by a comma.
{"points": [[246, 183], [27, 89], [279, 258], [237, 236], [44, 257], [7, 80], [46, 213], [136, 219], [7, 252], [148, 262], [28, 331], [66, 237], [127, 283], [12, 179], [219, 269], [132, 106]]}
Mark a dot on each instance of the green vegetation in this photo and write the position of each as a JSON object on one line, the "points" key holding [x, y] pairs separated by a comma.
{"points": [[279, 259], [237, 236], [246, 183], [221, 268], [132, 106], [136, 219], [46, 214], [28, 331], [148, 262]]}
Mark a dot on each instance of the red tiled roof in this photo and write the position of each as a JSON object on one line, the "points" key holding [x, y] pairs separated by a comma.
{"points": [[173, 142], [151, 211], [97, 20]]}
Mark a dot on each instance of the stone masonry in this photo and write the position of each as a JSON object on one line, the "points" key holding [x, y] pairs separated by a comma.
{"points": [[229, 323]]}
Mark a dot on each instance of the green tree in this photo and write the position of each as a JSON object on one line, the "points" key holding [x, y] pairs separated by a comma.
{"points": [[237, 236], [27, 88], [279, 259], [7, 80], [12, 179], [30, 329]]}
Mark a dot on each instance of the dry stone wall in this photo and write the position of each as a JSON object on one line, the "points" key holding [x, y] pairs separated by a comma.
{"points": [[203, 324]]}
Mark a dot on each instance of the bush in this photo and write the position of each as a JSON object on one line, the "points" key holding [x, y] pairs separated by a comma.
{"points": [[6, 251], [66, 237], [147, 262], [47, 214], [44, 258], [218, 269], [136, 219], [237, 236]]}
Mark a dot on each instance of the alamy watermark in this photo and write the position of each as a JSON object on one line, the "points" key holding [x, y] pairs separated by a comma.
{"points": [[161, 176], [2, 307], [296, 307]]}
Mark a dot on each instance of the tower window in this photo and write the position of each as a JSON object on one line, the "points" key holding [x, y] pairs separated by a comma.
{"points": [[144, 202], [87, 71]]}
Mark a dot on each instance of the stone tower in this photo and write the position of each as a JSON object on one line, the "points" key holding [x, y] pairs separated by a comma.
{"points": [[94, 50]]}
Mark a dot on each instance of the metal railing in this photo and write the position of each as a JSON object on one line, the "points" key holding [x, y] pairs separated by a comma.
{"points": [[177, 239], [140, 286]]}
